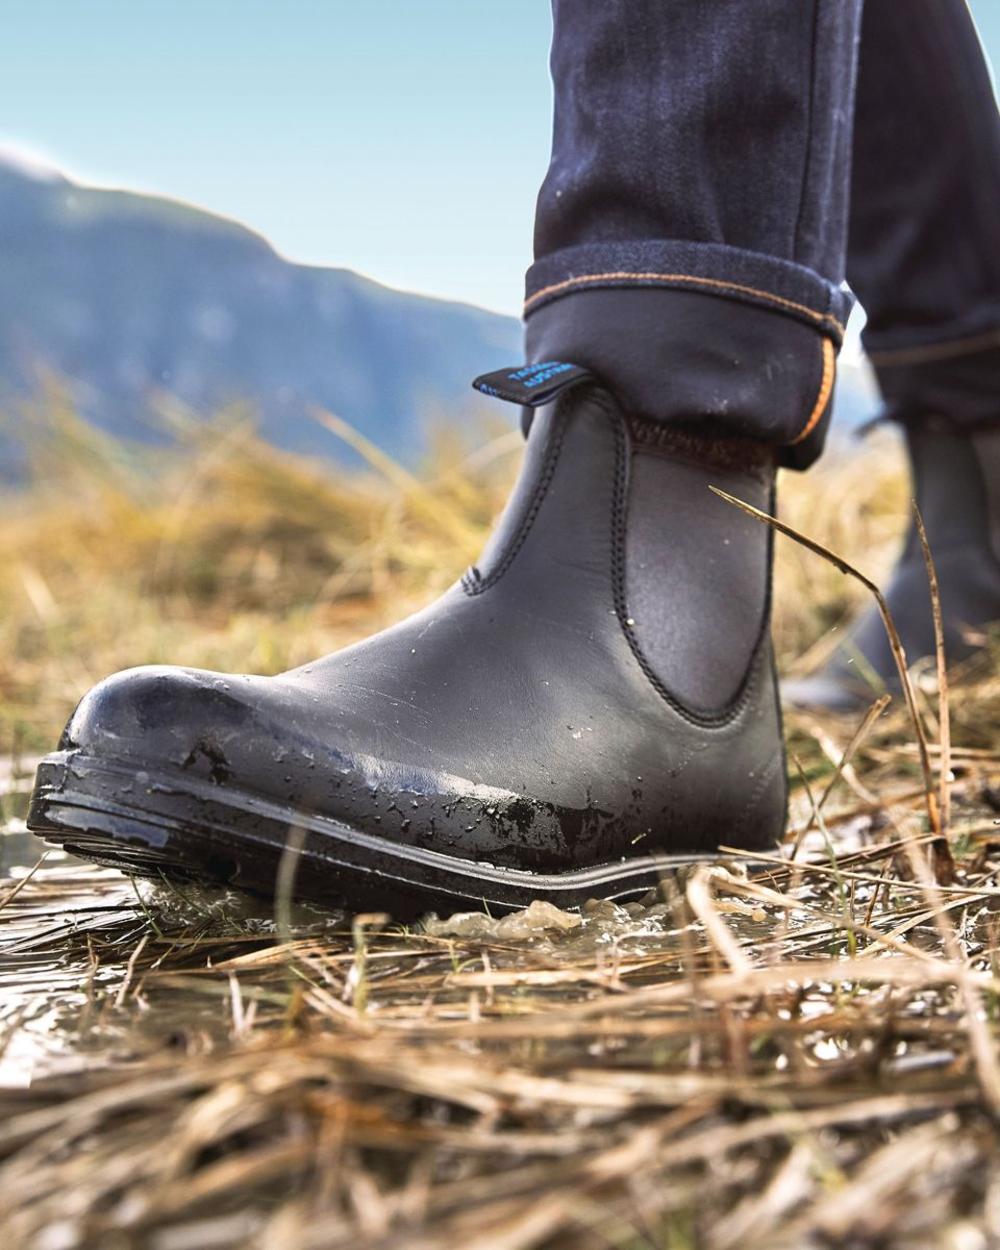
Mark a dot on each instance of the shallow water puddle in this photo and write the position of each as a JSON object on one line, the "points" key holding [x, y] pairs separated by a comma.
{"points": [[99, 970]]}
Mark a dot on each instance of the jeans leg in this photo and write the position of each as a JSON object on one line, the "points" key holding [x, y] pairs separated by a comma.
{"points": [[690, 232], [924, 242]]}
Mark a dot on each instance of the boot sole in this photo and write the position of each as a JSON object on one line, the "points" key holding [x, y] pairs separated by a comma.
{"points": [[155, 825]]}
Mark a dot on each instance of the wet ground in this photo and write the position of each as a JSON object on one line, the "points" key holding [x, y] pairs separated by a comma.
{"points": [[71, 934], [181, 1067], [70, 930]]}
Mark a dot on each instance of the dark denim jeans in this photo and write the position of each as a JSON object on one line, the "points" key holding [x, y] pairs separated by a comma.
{"points": [[698, 220]]}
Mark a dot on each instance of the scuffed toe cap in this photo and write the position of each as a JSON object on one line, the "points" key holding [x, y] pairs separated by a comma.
{"points": [[163, 715]]}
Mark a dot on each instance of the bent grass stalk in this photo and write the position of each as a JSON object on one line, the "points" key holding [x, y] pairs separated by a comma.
{"points": [[859, 735], [975, 1008], [898, 652], [944, 709]]}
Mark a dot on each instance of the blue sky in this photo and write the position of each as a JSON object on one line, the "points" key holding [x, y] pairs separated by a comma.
{"points": [[403, 138]]}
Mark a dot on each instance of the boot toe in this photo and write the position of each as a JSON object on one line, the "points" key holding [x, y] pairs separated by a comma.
{"points": [[174, 716]]}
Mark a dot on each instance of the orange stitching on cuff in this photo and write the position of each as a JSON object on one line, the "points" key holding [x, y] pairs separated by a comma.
{"points": [[825, 387], [675, 278], [936, 351]]}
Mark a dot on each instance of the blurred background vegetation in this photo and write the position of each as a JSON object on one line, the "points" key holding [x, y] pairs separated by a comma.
{"points": [[224, 552]]}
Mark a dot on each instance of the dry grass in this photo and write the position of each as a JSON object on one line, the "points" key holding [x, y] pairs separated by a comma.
{"points": [[225, 554], [805, 1058]]}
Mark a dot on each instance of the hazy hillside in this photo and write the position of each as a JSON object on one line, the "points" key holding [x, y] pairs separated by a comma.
{"points": [[128, 295]]}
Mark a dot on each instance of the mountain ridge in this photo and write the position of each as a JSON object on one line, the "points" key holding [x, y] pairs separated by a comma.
{"points": [[125, 297]]}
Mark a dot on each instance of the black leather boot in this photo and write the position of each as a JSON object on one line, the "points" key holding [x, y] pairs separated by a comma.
{"points": [[591, 703], [956, 480]]}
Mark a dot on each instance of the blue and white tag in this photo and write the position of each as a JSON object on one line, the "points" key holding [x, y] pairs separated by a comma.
{"points": [[532, 385]]}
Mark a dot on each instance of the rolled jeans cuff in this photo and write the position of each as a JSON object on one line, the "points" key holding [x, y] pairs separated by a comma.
{"points": [[947, 380], [712, 268], [698, 351]]}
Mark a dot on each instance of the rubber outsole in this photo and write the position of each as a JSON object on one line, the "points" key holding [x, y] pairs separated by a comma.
{"points": [[155, 824]]}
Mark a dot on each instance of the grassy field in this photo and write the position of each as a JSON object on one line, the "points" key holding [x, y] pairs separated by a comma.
{"points": [[806, 1058]]}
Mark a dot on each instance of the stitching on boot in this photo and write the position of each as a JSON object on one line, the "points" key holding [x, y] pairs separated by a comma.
{"points": [[473, 582]]}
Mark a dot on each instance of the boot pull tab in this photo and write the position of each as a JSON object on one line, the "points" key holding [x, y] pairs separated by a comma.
{"points": [[532, 385]]}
